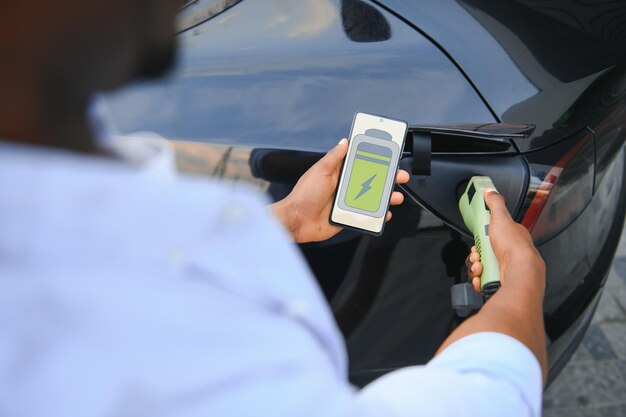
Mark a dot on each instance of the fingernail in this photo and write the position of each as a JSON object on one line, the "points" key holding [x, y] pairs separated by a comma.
{"points": [[342, 141], [490, 190]]}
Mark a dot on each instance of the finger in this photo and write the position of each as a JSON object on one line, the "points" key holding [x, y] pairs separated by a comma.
{"points": [[402, 177], [331, 161], [471, 258], [495, 202], [468, 264], [476, 284], [396, 198], [476, 270], [388, 216]]}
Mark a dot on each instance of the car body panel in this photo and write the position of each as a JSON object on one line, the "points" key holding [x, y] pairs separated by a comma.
{"points": [[264, 88], [525, 55], [290, 74]]}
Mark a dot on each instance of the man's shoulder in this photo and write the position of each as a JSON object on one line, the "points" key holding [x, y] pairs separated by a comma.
{"points": [[72, 214], [78, 198], [109, 250], [70, 174]]}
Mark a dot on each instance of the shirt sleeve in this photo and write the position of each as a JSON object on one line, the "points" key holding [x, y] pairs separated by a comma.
{"points": [[484, 374]]}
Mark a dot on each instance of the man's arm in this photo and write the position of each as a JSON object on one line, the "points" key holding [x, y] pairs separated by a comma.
{"points": [[491, 364], [516, 309]]}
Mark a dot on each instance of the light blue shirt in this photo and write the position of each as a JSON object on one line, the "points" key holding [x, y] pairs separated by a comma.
{"points": [[126, 294]]}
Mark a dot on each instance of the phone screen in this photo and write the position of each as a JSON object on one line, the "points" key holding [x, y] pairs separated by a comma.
{"points": [[369, 171]]}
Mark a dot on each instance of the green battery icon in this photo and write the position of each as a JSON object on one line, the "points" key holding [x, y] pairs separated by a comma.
{"points": [[368, 177]]}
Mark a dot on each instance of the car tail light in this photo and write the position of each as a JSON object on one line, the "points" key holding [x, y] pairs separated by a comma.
{"points": [[559, 192]]}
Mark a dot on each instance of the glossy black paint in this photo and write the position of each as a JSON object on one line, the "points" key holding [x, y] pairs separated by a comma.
{"points": [[279, 82], [578, 258], [531, 60], [291, 75]]}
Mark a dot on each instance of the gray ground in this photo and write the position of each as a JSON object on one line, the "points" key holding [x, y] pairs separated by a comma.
{"points": [[594, 382]]}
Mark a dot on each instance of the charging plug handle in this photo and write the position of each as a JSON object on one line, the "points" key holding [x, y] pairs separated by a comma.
{"points": [[465, 299]]}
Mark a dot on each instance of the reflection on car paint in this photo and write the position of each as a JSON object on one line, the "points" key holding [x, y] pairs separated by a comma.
{"points": [[287, 73]]}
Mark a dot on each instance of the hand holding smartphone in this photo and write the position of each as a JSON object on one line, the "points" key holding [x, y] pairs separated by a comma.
{"points": [[368, 173]]}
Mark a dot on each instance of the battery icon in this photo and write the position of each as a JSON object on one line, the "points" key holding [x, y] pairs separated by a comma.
{"points": [[368, 177]]}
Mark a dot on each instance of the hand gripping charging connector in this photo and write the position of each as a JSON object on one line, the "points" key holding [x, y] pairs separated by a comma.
{"points": [[476, 216]]}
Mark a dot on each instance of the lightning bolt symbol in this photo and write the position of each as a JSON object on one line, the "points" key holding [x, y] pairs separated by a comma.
{"points": [[366, 186]]}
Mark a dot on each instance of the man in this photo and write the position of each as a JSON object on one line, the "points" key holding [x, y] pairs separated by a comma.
{"points": [[122, 294]]}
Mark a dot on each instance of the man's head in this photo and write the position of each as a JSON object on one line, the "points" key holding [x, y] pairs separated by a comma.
{"points": [[97, 43], [64, 51]]}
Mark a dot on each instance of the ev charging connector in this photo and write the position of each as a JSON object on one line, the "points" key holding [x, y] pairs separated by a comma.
{"points": [[476, 216]]}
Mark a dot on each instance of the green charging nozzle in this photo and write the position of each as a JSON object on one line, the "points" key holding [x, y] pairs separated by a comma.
{"points": [[476, 216]]}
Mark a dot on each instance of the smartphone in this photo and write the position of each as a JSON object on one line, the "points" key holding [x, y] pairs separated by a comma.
{"points": [[369, 172]]}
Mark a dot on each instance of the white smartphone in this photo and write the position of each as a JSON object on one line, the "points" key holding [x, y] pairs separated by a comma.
{"points": [[369, 172]]}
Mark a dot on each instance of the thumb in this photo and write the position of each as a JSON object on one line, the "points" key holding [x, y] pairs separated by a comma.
{"points": [[333, 158], [495, 202]]}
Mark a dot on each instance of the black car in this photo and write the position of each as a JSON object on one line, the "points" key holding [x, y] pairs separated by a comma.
{"points": [[531, 93]]}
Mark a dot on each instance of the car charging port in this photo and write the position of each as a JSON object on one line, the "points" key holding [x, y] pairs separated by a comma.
{"points": [[418, 147]]}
